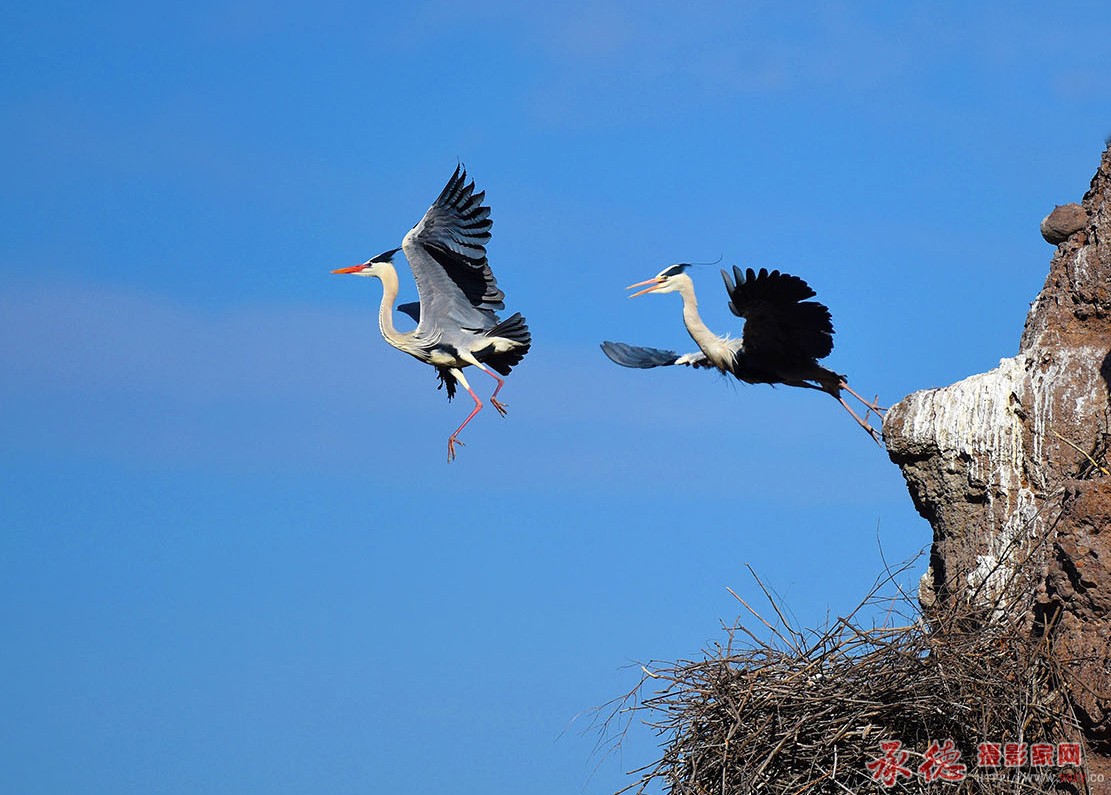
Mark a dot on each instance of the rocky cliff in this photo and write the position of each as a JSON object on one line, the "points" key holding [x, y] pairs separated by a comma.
{"points": [[1010, 467]]}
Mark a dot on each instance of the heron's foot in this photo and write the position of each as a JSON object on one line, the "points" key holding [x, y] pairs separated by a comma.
{"points": [[872, 405], [875, 408], [503, 408], [878, 410], [451, 442], [877, 435]]}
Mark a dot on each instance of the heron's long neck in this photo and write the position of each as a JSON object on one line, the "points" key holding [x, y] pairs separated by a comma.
{"points": [[385, 311], [707, 340]]}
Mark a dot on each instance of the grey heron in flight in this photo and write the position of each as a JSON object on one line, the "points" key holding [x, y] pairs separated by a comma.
{"points": [[784, 334], [457, 326]]}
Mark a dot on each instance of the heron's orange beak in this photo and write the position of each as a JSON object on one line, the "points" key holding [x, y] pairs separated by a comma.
{"points": [[656, 284], [352, 269]]}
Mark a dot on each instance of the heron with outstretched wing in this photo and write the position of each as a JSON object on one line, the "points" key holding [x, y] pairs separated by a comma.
{"points": [[784, 335], [457, 322]]}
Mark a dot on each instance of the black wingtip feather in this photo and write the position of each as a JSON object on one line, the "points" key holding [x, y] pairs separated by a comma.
{"points": [[780, 324], [765, 285]]}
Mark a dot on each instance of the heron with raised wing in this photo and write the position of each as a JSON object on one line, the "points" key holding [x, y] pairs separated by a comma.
{"points": [[457, 325], [784, 335]]}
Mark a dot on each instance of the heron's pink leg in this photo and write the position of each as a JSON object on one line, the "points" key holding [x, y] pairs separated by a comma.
{"points": [[501, 407], [454, 438], [870, 430], [872, 406]]}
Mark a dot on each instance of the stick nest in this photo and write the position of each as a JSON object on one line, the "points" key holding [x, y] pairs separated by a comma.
{"points": [[789, 711]]}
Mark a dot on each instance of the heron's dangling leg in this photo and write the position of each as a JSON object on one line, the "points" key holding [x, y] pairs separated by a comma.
{"points": [[830, 389], [454, 438], [493, 399], [497, 404]]}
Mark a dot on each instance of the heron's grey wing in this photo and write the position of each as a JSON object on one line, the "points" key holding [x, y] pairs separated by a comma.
{"points": [[411, 309], [635, 356], [779, 322], [447, 253], [642, 358]]}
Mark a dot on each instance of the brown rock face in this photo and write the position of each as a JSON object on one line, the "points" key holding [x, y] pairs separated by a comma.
{"points": [[1010, 466]]}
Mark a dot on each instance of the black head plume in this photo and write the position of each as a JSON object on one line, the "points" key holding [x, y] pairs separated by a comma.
{"points": [[385, 256], [682, 267], [674, 270]]}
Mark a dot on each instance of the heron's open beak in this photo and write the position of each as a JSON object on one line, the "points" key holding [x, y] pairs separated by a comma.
{"points": [[352, 269], [656, 284]]}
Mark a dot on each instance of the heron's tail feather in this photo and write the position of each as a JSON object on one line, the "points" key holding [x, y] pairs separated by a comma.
{"points": [[512, 328], [515, 330]]}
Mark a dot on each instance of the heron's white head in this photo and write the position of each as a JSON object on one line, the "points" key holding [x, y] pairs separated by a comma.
{"points": [[375, 266], [668, 280]]}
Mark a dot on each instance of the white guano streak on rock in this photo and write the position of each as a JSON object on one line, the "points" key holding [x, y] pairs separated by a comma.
{"points": [[974, 421], [1068, 380], [1064, 379], [994, 569], [1079, 273]]}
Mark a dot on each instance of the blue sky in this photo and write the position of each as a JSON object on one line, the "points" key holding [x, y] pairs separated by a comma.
{"points": [[234, 558]]}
